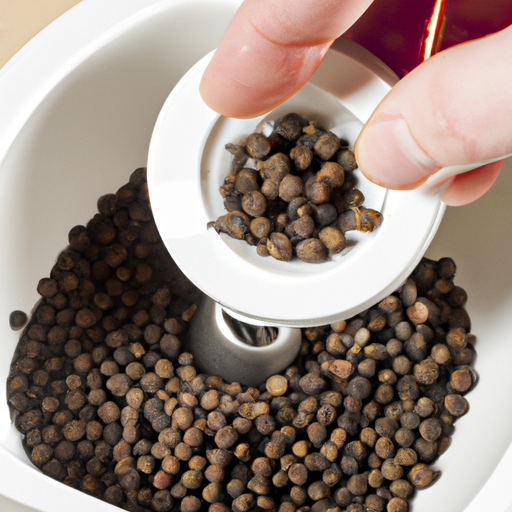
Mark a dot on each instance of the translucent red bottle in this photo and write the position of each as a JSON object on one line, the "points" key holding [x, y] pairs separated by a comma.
{"points": [[404, 33]]}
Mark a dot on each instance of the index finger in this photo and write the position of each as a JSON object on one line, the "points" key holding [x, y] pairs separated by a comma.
{"points": [[270, 50]]}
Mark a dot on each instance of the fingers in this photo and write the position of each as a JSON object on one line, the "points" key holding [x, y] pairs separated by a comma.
{"points": [[455, 108], [469, 186], [270, 50]]}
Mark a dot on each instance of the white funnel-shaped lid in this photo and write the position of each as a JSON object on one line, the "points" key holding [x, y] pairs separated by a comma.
{"points": [[187, 164]]}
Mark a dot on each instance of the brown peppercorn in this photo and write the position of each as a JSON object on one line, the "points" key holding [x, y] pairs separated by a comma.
{"points": [[333, 239], [260, 227], [375, 478], [427, 450], [257, 146], [280, 222], [406, 457], [119, 384], [430, 429], [162, 501], [311, 250], [270, 189], [384, 448], [302, 157], [302, 227], [260, 484], [134, 398], [358, 484], [426, 372], [401, 488], [183, 418], [369, 219], [462, 379], [391, 470], [135, 371], [279, 247], [214, 473], [456, 404], [456, 338], [254, 203], [417, 313], [214, 493], [109, 412], [331, 174], [226, 437], [150, 382], [74, 430], [290, 187], [409, 292], [316, 462], [316, 191], [41, 454], [192, 479], [326, 146], [290, 126], [246, 180], [193, 436], [397, 504], [345, 157], [422, 475], [359, 388], [235, 224], [298, 474], [275, 168], [441, 354]]}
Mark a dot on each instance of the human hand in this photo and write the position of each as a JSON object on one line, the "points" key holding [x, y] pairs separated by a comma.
{"points": [[450, 110]]}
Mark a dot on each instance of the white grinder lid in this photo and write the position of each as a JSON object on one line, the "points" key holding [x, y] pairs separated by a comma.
{"points": [[187, 163]]}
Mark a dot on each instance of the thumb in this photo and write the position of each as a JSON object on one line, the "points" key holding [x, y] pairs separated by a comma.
{"points": [[453, 109], [270, 50]]}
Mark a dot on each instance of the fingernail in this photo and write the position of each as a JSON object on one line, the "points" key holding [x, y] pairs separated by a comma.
{"points": [[390, 156]]}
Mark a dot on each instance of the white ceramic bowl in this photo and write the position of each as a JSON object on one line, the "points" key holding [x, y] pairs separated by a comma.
{"points": [[78, 105]]}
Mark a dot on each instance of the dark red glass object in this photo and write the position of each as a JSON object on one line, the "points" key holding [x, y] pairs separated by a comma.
{"points": [[403, 33]]}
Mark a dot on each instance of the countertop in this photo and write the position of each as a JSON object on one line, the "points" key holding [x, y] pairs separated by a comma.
{"points": [[20, 20]]}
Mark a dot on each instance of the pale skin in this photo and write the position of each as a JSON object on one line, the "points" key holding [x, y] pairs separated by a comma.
{"points": [[455, 108]]}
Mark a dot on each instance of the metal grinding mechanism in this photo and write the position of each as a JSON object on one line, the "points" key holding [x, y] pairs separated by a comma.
{"points": [[187, 164]]}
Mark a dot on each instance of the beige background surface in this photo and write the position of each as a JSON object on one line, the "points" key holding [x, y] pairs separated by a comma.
{"points": [[20, 20]]}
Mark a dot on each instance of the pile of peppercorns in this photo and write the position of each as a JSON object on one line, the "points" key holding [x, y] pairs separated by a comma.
{"points": [[110, 403], [294, 193]]}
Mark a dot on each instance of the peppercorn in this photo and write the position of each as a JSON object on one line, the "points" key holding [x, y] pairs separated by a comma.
{"points": [[397, 504], [302, 157], [234, 224], [311, 250], [326, 146], [214, 493], [456, 404], [290, 126], [331, 174], [260, 227], [279, 246], [316, 191], [254, 203], [333, 239], [426, 372], [290, 187], [302, 227], [164, 417], [422, 475]]}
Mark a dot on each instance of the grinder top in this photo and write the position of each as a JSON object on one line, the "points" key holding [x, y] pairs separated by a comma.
{"points": [[187, 163]]}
